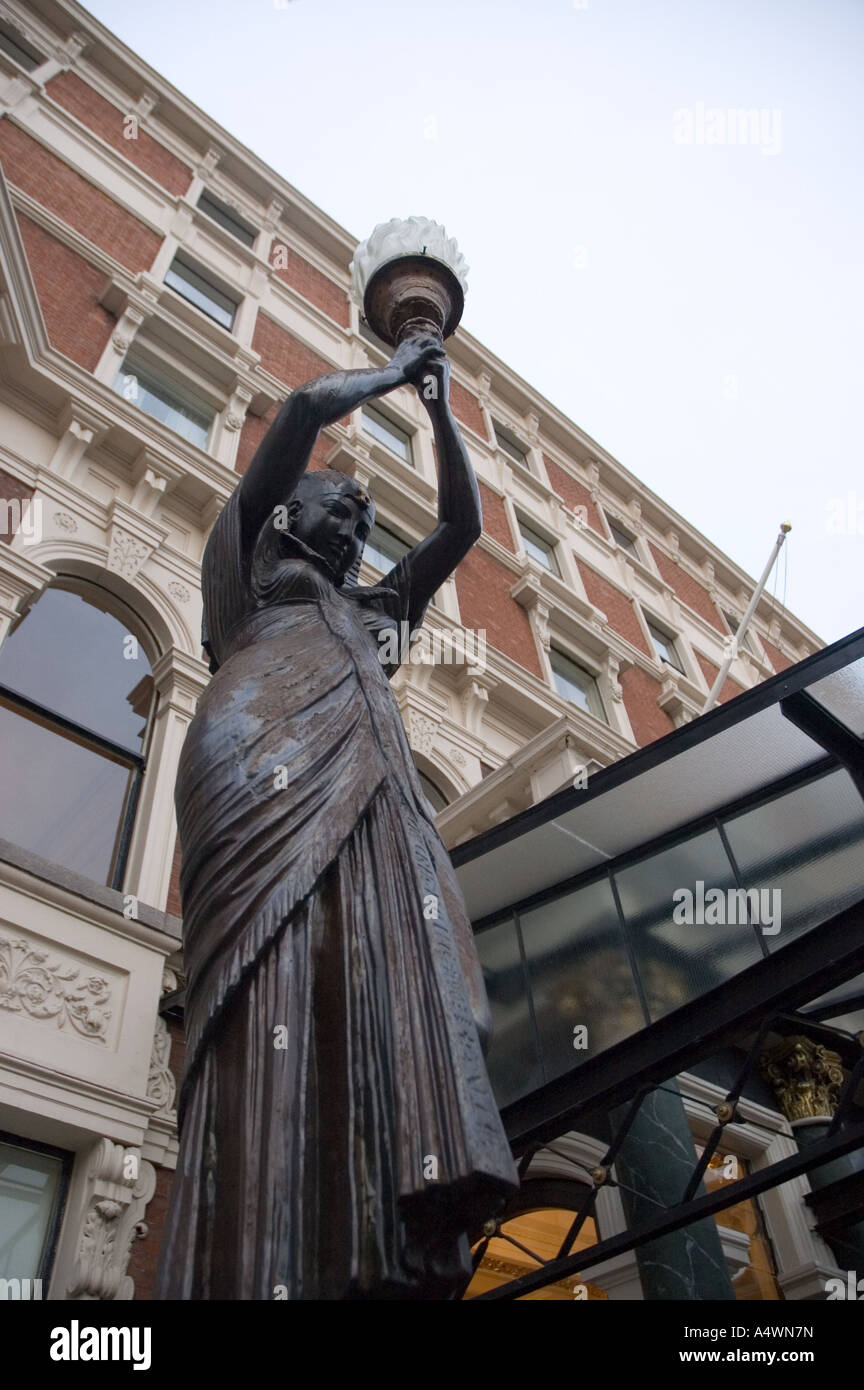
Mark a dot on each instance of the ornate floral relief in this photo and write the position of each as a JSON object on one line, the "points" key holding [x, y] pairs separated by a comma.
{"points": [[421, 732], [43, 988], [65, 522], [161, 1085], [127, 553], [179, 591], [120, 1184]]}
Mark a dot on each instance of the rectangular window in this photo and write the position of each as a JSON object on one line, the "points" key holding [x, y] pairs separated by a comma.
{"points": [[733, 625], [383, 549], [576, 684], [201, 292], [622, 538], [538, 548], [33, 1180], [391, 436], [17, 47], [664, 645], [164, 400], [227, 218], [510, 445]]}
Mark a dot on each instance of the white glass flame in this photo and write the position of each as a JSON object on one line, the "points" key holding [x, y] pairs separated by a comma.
{"points": [[411, 236]]}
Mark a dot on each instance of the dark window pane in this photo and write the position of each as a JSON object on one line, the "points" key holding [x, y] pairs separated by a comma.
{"points": [[201, 292], [580, 976], [437, 798], [146, 388], [513, 1063], [679, 960], [68, 655], [808, 846], [29, 1184], [383, 549], [222, 214], [60, 799], [17, 47]]}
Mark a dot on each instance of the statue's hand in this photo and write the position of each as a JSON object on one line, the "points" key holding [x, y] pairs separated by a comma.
{"points": [[412, 357]]}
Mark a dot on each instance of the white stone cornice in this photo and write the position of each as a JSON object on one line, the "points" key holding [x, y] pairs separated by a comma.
{"points": [[180, 680]]}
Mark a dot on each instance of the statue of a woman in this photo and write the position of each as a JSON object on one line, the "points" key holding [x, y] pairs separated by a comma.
{"points": [[339, 1136]]}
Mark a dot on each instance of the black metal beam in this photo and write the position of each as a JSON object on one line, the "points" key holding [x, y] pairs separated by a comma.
{"points": [[818, 960], [820, 724], [684, 1214], [839, 1205]]}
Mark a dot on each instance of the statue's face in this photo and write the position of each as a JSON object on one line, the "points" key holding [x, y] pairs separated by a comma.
{"points": [[334, 525]]}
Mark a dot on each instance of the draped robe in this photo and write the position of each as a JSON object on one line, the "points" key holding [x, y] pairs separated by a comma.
{"points": [[338, 1130]]}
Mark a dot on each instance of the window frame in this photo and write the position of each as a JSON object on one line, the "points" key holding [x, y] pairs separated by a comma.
{"points": [[186, 264], [541, 542], [511, 445], [658, 632], [227, 219], [380, 527], [193, 401], [617, 526], [387, 424], [52, 1231], [15, 40], [64, 727], [593, 699]]}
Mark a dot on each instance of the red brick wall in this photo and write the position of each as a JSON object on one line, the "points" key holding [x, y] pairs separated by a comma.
{"points": [[777, 659], [615, 604], [649, 721], [688, 589], [709, 670], [91, 212], [11, 490], [285, 356], [173, 904], [495, 522], [68, 289], [575, 494], [484, 602], [319, 289], [106, 121], [466, 408], [144, 1254], [254, 429]]}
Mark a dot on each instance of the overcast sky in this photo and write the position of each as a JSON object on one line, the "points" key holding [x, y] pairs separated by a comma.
{"points": [[687, 291]]}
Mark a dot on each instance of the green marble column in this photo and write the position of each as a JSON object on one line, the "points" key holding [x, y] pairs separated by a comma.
{"points": [[656, 1161]]}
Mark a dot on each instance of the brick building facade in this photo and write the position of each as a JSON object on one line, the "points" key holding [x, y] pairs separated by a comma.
{"points": [[130, 403]]}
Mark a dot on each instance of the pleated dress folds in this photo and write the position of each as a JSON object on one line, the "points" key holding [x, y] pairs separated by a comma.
{"points": [[338, 1130]]}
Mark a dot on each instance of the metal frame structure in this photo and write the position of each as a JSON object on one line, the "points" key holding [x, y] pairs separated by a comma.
{"points": [[768, 996]]}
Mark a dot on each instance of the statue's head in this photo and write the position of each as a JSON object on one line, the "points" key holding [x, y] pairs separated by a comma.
{"points": [[332, 515]]}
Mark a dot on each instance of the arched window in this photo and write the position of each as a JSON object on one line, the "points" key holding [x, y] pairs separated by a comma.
{"points": [[76, 694], [532, 1231], [433, 794]]}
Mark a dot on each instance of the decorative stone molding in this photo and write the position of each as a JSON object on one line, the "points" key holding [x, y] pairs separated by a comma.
{"points": [[532, 427], [680, 698], [119, 1185], [161, 1085], [65, 522], [132, 537], [179, 591], [47, 987], [805, 1076], [457, 756], [422, 732], [127, 553], [528, 592], [120, 344], [81, 429], [484, 388], [474, 690], [673, 540], [613, 668], [635, 509], [273, 215]]}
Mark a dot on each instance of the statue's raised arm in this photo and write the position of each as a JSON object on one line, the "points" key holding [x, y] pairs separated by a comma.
{"points": [[283, 455]]}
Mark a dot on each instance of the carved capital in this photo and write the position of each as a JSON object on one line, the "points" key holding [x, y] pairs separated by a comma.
{"points": [[119, 1185], [805, 1076]]}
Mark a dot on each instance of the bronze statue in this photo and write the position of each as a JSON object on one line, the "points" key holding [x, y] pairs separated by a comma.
{"points": [[339, 1135]]}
